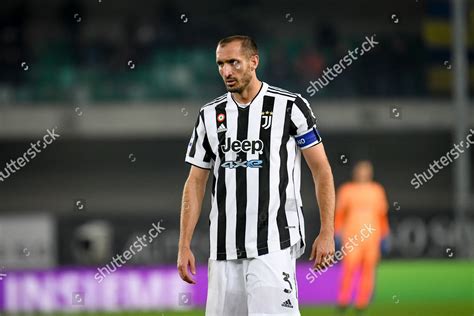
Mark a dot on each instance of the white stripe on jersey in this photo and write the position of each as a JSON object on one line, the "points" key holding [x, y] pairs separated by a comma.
{"points": [[255, 110], [291, 204], [278, 122], [231, 118]]}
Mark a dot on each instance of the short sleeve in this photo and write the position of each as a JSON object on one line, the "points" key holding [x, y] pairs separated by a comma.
{"points": [[199, 151], [303, 124]]}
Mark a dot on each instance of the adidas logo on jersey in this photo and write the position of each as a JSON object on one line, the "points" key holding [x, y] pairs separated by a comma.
{"points": [[221, 128], [287, 303]]}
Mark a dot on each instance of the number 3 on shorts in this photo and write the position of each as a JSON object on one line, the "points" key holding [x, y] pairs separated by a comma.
{"points": [[286, 277]]}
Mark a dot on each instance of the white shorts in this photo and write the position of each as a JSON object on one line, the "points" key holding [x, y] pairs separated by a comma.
{"points": [[265, 285]]}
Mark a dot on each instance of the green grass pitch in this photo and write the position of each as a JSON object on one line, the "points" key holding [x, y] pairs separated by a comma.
{"points": [[412, 288]]}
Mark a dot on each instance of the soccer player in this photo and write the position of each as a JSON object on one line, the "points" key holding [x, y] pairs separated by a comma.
{"points": [[251, 138], [361, 206]]}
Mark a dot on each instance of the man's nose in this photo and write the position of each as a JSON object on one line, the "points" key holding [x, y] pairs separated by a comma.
{"points": [[226, 70]]}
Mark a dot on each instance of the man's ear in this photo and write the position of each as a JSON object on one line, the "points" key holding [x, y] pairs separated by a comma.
{"points": [[254, 60]]}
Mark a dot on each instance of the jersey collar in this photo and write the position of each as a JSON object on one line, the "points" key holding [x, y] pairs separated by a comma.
{"points": [[257, 98]]}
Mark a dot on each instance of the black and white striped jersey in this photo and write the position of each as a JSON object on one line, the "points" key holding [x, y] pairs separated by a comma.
{"points": [[254, 152]]}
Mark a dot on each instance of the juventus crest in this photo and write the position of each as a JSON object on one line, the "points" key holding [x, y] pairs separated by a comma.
{"points": [[267, 119]]}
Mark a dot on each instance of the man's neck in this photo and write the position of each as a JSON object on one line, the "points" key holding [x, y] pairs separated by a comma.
{"points": [[249, 93]]}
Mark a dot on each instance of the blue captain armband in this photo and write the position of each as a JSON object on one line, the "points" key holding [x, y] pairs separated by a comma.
{"points": [[308, 139]]}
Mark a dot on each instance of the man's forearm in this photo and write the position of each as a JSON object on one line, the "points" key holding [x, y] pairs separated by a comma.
{"points": [[193, 195], [324, 187]]}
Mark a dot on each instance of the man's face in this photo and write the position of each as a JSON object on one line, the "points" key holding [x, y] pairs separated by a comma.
{"points": [[235, 67]]}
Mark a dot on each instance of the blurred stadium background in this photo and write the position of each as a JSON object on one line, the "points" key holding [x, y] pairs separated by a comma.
{"points": [[122, 83]]}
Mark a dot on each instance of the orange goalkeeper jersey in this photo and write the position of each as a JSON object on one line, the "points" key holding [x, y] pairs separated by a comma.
{"points": [[360, 204]]}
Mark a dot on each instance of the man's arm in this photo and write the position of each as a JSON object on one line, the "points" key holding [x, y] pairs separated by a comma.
{"points": [[193, 194], [323, 246]]}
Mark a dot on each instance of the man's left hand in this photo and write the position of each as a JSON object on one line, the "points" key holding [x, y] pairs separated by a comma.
{"points": [[323, 250]]}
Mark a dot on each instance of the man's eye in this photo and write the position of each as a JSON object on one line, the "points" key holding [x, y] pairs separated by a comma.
{"points": [[236, 64]]}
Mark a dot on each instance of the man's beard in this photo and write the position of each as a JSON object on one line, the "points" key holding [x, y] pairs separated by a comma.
{"points": [[245, 82]]}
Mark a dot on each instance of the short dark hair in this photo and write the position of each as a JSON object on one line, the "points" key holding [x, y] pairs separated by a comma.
{"points": [[248, 45]]}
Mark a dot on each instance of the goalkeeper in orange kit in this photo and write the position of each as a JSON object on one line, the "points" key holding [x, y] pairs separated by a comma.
{"points": [[360, 203]]}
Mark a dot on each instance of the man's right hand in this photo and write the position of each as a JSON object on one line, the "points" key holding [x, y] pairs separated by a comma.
{"points": [[185, 258]]}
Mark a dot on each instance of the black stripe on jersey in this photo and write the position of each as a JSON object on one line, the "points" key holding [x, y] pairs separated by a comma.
{"points": [[221, 188], [209, 154], [293, 128], [213, 188], [306, 111], [281, 93], [206, 145], [264, 182], [282, 221], [192, 152], [241, 185]]}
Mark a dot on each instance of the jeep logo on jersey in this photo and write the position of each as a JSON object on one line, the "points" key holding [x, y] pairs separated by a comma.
{"points": [[254, 146], [267, 119]]}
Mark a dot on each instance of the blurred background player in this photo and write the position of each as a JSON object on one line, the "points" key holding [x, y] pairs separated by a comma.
{"points": [[361, 221]]}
